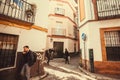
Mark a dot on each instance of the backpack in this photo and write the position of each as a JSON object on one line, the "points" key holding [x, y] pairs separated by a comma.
{"points": [[34, 57]]}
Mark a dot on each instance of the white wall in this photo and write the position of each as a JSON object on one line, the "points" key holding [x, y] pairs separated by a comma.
{"points": [[33, 38], [83, 46], [68, 43], [92, 30], [68, 10], [89, 11], [53, 24], [41, 18], [67, 25], [71, 45], [50, 45]]}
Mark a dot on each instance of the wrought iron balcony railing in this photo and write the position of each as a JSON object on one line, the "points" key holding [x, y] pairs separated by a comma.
{"points": [[108, 9], [58, 32], [17, 10]]}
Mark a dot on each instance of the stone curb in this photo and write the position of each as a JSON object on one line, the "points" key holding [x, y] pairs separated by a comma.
{"points": [[96, 76]]}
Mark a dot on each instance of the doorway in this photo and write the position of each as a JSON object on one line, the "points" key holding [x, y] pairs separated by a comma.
{"points": [[58, 46]]}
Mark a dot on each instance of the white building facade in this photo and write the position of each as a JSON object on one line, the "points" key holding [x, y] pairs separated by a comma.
{"points": [[99, 20], [62, 28], [21, 23]]}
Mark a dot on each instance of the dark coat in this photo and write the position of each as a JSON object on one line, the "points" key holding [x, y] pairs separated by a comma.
{"points": [[66, 53], [47, 54], [28, 58]]}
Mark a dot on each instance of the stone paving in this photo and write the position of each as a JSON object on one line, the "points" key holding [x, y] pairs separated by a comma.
{"points": [[58, 70]]}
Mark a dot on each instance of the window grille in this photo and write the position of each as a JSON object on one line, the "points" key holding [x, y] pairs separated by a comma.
{"points": [[112, 44], [108, 9], [59, 11], [8, 47]]}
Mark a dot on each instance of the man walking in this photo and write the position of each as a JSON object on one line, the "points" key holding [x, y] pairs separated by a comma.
{"points": [[28, 61], [47, 55]]}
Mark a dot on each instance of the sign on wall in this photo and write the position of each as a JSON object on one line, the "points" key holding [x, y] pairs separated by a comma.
{"points": [[83, 36]]}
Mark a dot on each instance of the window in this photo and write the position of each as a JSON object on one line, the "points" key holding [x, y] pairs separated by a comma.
{"points": [[82, 10], [19, 3], [108, 9], [59, 29], [75, 33], [112, 44], [59, 11], [59, 24], [58, 32], [8, 47]]}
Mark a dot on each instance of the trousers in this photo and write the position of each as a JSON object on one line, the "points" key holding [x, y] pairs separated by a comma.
{"points": [[25, 72]]}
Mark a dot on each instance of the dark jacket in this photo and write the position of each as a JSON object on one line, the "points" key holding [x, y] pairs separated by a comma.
{"points": [[66, 53], [47, 54], [28, 58]]}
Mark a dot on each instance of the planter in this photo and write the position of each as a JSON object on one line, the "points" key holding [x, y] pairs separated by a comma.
{"points": [[29, 13]]}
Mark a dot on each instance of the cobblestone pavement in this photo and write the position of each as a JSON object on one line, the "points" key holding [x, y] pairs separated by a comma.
{"points": [[58, 70]]}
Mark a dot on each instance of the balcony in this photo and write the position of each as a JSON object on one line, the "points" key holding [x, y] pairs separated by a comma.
{"points": [[17, 11], [58, 32], [108, 9], [60, 11]]}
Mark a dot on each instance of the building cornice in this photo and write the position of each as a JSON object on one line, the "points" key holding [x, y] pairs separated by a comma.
{"points": [[40, 28], [65, 3], [63, 37], [11, 24], [82, 25], [61, 16]]}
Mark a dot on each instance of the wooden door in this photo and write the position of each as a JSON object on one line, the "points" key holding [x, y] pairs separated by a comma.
{"points": [[58, 46]]}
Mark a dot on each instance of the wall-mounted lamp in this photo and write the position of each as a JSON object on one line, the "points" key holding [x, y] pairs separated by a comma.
{"points": [[51, 39]]}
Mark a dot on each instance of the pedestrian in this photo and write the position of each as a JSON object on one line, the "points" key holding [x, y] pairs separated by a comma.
{"points": [[51, 51], [28, 61], [66, 56], [47, 55]]}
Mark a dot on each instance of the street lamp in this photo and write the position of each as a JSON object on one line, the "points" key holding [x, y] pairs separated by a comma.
{"points": [[51, 39]]}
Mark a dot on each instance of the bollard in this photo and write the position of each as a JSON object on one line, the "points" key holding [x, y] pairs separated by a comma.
{"points": [[91, 59]]}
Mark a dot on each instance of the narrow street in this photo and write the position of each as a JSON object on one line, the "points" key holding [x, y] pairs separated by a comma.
{"points": [[53, 27], [58, 70]]}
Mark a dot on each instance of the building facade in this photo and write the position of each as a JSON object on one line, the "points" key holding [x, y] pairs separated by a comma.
{"points": [[22, 22], [99, 25], [62, 27]]}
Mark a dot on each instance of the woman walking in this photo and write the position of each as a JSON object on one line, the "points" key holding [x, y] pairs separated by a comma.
{"points": [[66, 56]]}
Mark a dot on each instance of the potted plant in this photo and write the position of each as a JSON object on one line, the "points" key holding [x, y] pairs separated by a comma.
{"points": [[31, 12]]}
